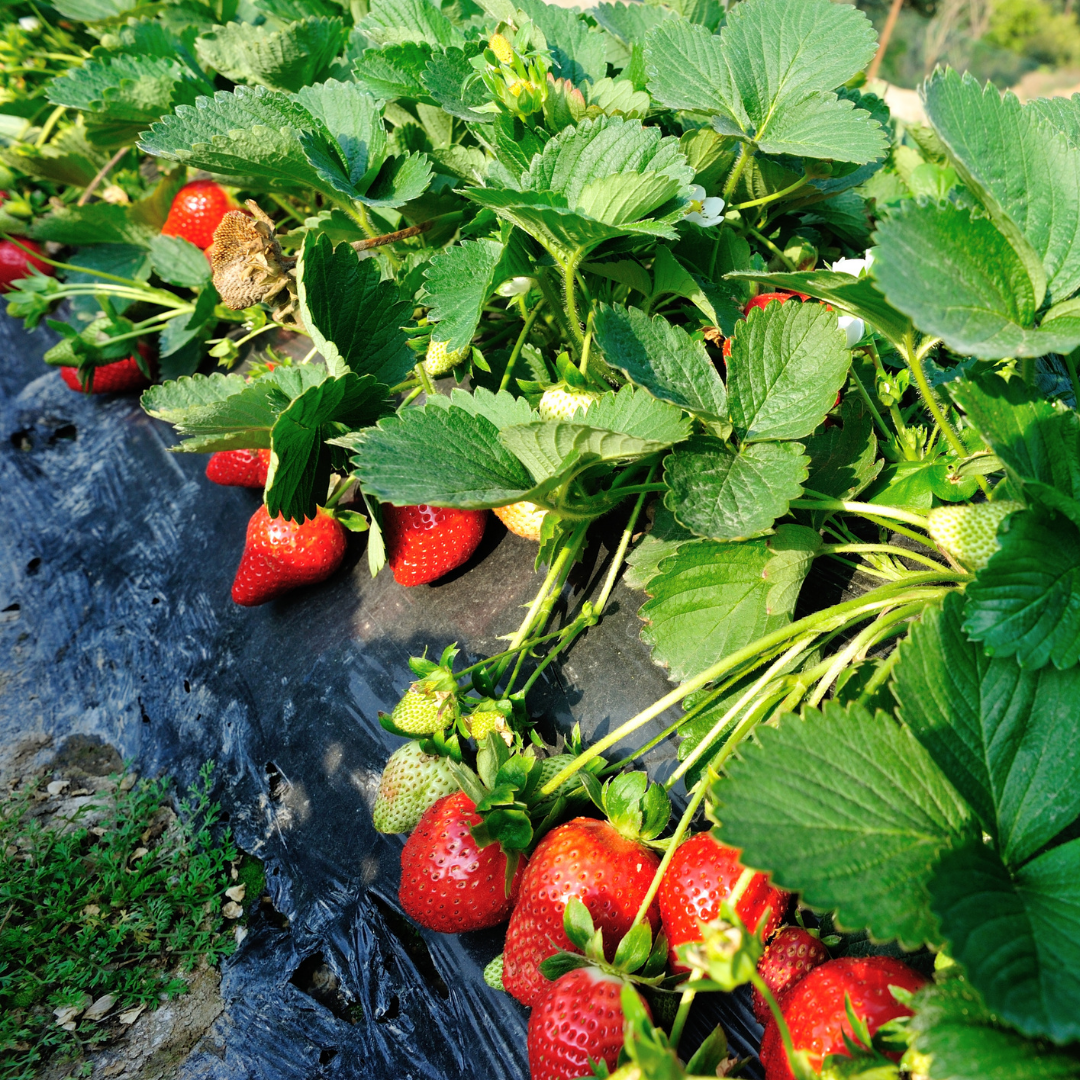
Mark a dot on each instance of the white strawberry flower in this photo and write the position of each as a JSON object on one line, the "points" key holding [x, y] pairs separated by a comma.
{"points": [[30, 24], [854, 267], [515, 286], [853, 327], [705, 211]]}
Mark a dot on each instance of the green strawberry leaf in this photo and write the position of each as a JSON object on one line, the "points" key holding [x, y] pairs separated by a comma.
{"points": [[709, 599], [597, 181], [787, 364], [629, 23], [354, 317], [1016, 932], [967, 1042], [1037, 441], [993, 727], [663, 359], [95, 223], [394, 71], [849, 810], [179, 262], [578, 923], [1024, 172], [297, 55], [299, 475], [1061, 114], [578, 52], [455, 84], [128, 93], [395, 22], [844, 457], [634, 948], [769, 76], [438, 455], [251, 132], [459, 280], [975, 293], [662, 540], [856, 296], [502, 409], [349, 149], [1026, 602], [226, 412], [727, 494]]}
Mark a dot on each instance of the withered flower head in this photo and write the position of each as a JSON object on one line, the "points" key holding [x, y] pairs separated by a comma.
{"points": [[247, 261]]}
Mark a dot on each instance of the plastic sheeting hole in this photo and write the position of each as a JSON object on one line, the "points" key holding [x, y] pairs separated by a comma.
{"points": [[275, 781], [393, 1010], [314, 978], [414, 945], [23, 439], [64, 431], [156, 600], [327, 1055], [187, 687], [33, 566]]}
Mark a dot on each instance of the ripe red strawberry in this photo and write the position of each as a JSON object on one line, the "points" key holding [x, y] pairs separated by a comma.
{"points": [[448, 884], [816, 1016], [15, 263], [578, 1018], [702, 873], [792, 954], [425, 542], [197, 211], [588, 859], [112, 378], [761, 300], [239, 468], [280, 555]]}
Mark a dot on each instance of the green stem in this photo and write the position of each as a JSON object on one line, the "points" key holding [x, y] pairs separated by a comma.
{"points": [[738, 734], [879, 368], [520, 344], [1027, 370], [762, 988], [737, 171], [425, 380], [763, 239], [831, 618], [673, 843], [570, 295], [142, 289], [878, 678], [914, 358], [885, 549], [882, 426], [823, 502], [685, 1002], [46, 131], [281, 204], [774, 197]]}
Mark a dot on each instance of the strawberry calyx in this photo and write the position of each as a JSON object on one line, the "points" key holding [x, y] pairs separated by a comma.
{"points": [[505, 790], [638, 958], [636, 809]]}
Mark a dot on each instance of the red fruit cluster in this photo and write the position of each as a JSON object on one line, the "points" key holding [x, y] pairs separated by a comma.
{"points": [[197, 211], [448, 884], [112, 378], [578, 1019], [280, 555], [815, 1012], [239, 468], [15, 263], [704, 872], [587, 859], [425, 542], [790, 956]]}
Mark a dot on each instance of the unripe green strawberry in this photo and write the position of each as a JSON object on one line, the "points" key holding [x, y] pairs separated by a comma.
{"points": [[968, 531], [439, 361], [551, 767], [560, 402], [423, 710], [493, 973], [410, 783], [482, 724]]}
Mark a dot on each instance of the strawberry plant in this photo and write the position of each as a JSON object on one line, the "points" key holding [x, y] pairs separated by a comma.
{"points": [[672, 265]]}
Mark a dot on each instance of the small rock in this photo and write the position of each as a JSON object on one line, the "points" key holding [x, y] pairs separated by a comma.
{"points": [[91, 910], [67, 1014], [236, 892], [57, 786], [138, 853], [239, 932], [131, 1015], [232, 910], [100, 1007], [128, 782]]}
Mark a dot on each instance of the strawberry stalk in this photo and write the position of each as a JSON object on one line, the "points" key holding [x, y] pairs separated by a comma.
{"points": [[921, 586], [511, 363]]}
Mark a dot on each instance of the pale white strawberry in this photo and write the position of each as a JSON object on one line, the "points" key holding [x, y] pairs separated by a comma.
{"points": [[561, 402], [411, 782], [439, 361], [968, 531], [523, 519]]}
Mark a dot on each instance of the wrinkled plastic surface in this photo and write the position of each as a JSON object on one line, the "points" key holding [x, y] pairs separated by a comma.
{"points": [[116, 559]]}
